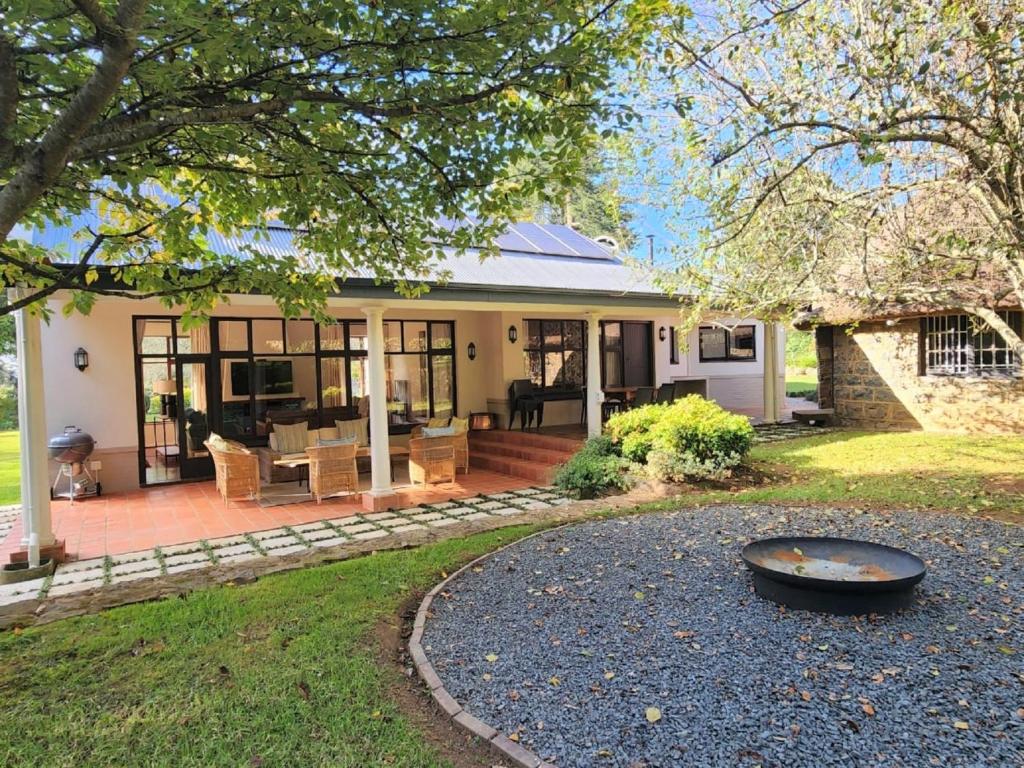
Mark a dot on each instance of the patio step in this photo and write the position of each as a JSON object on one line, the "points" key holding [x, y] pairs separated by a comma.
{"points": [[534, 439], [531, 456]]}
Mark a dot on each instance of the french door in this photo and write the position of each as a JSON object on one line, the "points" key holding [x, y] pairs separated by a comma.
{"points": [[194, 398]]}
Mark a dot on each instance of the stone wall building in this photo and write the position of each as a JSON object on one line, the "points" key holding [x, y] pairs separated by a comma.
{"points": [[938, 372]]}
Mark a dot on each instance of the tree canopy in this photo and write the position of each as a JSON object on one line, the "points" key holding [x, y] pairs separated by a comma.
{"points": [[866, 149], [373, 130]]}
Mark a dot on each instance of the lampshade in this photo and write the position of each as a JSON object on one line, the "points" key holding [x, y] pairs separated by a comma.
{"points": [[165, 387]]}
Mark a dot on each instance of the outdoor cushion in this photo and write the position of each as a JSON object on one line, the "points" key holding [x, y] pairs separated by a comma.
{"points": [[291, 438], [459, 425], [355, 427], [438, 431], [218, 443], [347, 440], [436, 423]]}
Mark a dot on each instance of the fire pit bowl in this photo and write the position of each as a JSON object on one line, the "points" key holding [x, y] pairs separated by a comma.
{"points": [[844, 577]]}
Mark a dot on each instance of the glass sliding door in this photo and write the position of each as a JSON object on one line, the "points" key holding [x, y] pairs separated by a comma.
{"points": [[193, 395]]}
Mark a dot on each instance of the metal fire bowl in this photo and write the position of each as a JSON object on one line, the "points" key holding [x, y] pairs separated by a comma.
{"points": [[840, 576]]}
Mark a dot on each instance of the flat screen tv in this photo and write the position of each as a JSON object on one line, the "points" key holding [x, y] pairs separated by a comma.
{"points": [[272, 377]]}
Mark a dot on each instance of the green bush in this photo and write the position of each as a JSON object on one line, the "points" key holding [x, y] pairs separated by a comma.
{"points": [[692, 438], [595, 469], [8, 407]]}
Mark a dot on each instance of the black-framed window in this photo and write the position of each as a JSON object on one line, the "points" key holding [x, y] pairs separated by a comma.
{"points": [[673, 346], [961, 345], [720, 344], [555, 353], [626, 353]]}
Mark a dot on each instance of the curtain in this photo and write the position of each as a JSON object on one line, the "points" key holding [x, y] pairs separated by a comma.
{"points": [[200, 338]]}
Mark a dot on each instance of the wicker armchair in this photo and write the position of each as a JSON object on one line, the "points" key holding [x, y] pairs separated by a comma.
{"points": [[237, 470], [432, 460], [332, 469], [460, 441]]}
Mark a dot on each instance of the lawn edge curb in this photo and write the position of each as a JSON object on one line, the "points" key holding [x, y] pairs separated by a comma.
{"points": [[500, 742]]}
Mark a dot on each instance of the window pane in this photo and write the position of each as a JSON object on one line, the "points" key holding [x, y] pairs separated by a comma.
{"points": [[574, 370], [392, 336], [332, 390], [357, 336], [154, 337], [235, 387], [444, 386], [742, 339], [360, 378], [233, 335], [267, 337], [285, 393], [194, 341], [440, 335], [300, 336], [533, 334], [408, 395], [194, 405], [332, 337], [574, 334], [613, 335], [712, 343], [535, 367], [552, 333], [613, 368], [415, 335], [553, 369]]}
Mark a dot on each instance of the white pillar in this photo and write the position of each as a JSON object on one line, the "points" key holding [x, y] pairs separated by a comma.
{"points": [[35, 476], [771, 372], [594, 393], [380, 456]]}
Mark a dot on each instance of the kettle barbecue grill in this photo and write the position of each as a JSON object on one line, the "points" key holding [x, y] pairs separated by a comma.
{"points": [[71, 449]]}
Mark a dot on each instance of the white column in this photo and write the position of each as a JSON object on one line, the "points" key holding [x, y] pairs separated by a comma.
{"points": [[594, 393], [771, 372], [35, 477], [380, 457]]}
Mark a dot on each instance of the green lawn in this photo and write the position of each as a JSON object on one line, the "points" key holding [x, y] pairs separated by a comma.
{"points": [[958, 472], [10, 468], [800, 381], [282, 672], [286, 671]]}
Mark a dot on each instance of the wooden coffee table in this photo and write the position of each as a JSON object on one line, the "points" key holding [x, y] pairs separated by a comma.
{"points": [[302, 459]]}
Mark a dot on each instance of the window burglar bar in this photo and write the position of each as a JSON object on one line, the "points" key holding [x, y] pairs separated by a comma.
{"points": [[961, 345]]}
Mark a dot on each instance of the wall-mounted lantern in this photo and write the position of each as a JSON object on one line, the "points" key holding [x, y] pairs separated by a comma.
{"points": [[662, 333], [471, 351], [81, 359], [513, 334]]}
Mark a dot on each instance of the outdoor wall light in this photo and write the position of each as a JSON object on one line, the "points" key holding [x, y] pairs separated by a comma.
{"points": [[471, 351], [662, 333], [513, 334], [81, 359]]}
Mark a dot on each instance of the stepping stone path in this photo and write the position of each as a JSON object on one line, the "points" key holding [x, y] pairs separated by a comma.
{"points": [[86, 575]]}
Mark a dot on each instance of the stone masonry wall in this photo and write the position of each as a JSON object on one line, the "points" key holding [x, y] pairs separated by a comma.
{"points": [[877, 386]]}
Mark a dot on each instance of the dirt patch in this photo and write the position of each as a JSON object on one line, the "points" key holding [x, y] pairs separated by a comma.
{"points": [[416, 704]]}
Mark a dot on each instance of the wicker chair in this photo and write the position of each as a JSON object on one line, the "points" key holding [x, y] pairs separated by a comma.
{"points": [[460, 441], [237, 470], [332, 469], [432, 460]]}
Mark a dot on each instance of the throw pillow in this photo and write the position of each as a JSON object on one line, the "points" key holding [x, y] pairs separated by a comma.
{"points": [[436, 423], [291, 438], [438, 431], [355, 427], [459, 425], [217, 442]]}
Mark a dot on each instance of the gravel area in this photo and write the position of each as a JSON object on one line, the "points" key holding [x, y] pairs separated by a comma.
{"points": [[639, 642]]}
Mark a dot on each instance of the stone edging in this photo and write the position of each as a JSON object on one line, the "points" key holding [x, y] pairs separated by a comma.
{"points": [[509, 749]]}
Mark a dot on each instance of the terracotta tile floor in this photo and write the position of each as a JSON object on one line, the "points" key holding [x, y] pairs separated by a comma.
{"points": [[138, 520]]}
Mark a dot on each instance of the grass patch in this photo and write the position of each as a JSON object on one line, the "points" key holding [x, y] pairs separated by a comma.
{"points": [[279, 672], [957, 472], [10, 467]]}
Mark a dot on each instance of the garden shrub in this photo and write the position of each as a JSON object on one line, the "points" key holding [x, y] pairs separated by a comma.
{"points": [[595, 469], [692, 438]]}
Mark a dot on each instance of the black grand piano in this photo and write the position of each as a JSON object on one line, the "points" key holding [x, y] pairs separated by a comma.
{"points": [[527, 400]]}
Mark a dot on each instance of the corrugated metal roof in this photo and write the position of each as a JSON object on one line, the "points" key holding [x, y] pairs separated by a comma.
{"points": [[532, 256]]}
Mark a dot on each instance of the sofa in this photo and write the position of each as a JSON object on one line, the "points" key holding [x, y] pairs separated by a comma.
{"points": [[273, 473]]}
